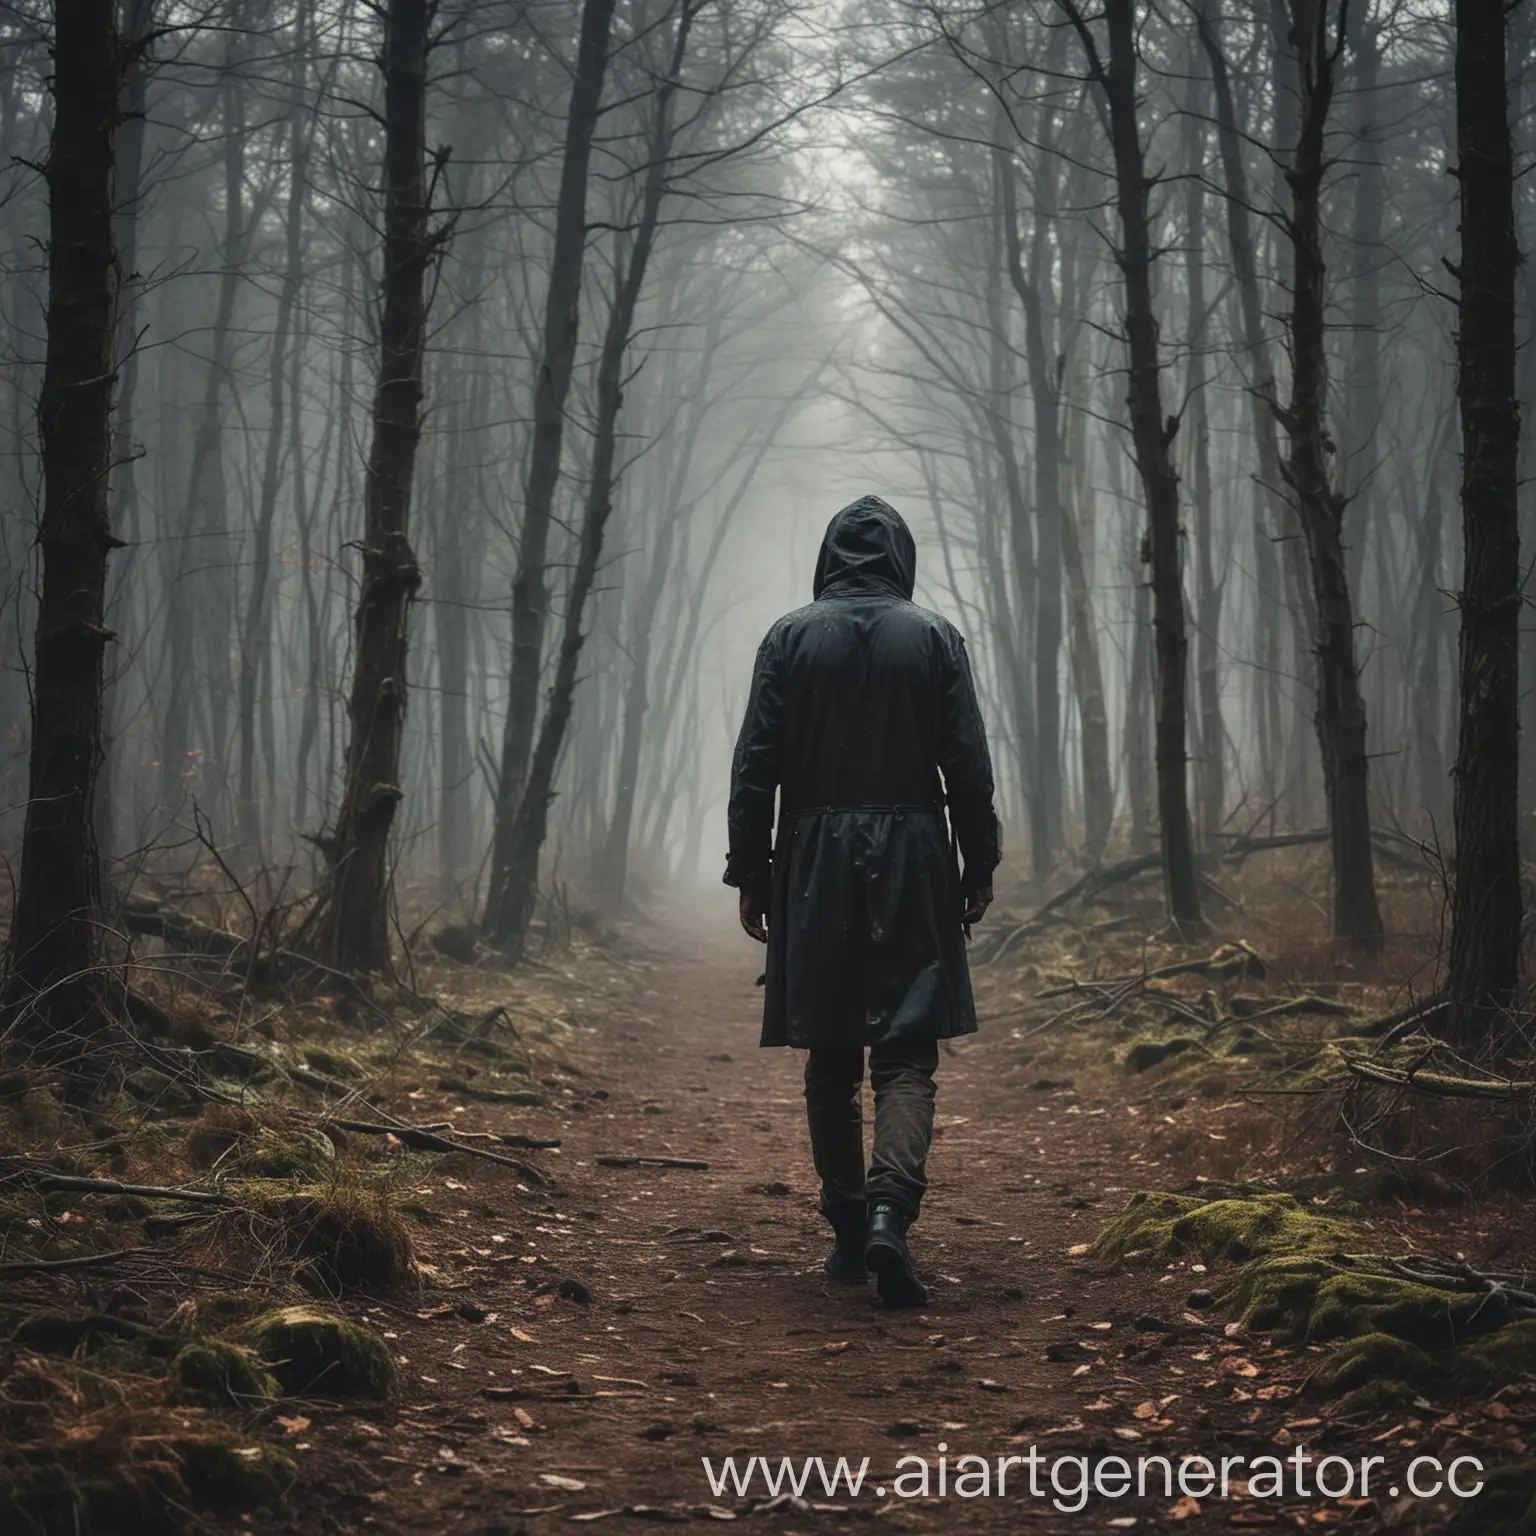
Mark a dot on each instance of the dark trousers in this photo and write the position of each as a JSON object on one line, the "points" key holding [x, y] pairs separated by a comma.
{"points": [[902, 1078]]}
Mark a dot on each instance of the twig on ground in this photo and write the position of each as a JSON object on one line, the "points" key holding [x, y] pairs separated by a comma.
{"points": [[695, 1164]]}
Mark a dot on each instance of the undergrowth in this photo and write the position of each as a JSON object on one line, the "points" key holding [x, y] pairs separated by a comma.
{"points": [[134, 1396]]}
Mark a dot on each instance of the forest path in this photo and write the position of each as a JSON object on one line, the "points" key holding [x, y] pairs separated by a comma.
{"points": [[712, 1331]]}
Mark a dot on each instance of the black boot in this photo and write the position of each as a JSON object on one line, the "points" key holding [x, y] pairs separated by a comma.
{"points": [[850, 1227], [885, 1252]]}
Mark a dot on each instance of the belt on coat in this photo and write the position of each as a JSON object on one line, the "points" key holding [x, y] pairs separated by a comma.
{"points": [[931, 807]]}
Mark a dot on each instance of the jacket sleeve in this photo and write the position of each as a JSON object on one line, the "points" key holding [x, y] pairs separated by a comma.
{"points": [[967, 768], [755, 775]]}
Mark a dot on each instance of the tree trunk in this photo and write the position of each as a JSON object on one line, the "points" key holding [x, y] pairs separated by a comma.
{"points": [[1024, 566], [254, 651], [1088, 684], [1152, 436], [513, 894], [1079, 529], [1042, 362], [455, 590], [562, 319], [136, 21], [1427, 735], [1486, 900], [53, 949], [1341, 728], [197, 609], [1210, 777], [1271, 514], [355, 911], [1362, 398]]}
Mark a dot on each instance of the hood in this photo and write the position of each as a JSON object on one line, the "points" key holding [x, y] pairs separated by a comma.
{"points": [[867, 545]]}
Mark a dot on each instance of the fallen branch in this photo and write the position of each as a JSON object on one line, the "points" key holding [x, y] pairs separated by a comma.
{"points": [[420, 1140], [1290, 1008], [1460, 1277], [46, 1179], [1441, 1084], [522, 1097], [1241, 847], [149, 918], [55, 1266], [695, 1164]]}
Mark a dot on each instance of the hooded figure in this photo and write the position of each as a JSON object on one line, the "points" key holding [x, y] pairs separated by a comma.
{"points": [[863, 719]]}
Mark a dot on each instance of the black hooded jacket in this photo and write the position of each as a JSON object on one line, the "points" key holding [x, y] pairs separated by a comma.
{"points": [[863, 718]]}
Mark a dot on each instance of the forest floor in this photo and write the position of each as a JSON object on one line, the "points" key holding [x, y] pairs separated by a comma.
{"points": [[585, 1348]]}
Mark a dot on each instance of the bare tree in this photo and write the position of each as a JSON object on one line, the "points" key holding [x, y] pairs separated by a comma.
{"points": [[354, 912], [562, 321], [54, 944], [1152, 435], [1341, 729], [515, 884]]}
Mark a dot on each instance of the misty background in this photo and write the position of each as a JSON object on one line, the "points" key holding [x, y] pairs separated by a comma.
{"points": [[884, 260]]}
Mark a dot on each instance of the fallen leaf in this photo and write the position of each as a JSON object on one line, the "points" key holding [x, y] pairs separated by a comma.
{"points": [[294, 1426], [1185, 1509], [565, 1484]]}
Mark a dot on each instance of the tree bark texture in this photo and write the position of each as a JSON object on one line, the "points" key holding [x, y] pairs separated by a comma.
{"points": [[1486, 901], [53, 948], [1340, 719], [355, 914], [1152, 436], [562, 320]]}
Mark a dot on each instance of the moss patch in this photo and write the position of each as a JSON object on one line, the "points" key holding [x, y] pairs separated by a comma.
{"points": [[1375, 1362], [1143, 1055], [213, 1373], [1501, 1359], [1362, 1302], [231, 1479], [235, 1142], [334, 1063], [1236, 1228], [350, 1241], [312, 1351]]}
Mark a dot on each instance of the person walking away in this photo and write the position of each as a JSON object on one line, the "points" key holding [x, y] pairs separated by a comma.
{"points": [[863, 719]]}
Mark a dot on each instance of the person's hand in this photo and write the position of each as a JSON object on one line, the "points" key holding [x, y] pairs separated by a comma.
{"points": [[976, 904], [753, 917]]}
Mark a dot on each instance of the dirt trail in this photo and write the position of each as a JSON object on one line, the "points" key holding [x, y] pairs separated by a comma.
{"points": [[643, 1318]]}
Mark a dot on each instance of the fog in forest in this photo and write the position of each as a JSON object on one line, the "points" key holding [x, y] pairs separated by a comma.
{"points": [[414, 414], [511, 358]]}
